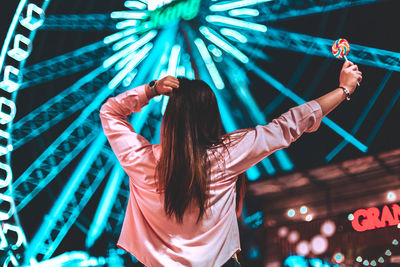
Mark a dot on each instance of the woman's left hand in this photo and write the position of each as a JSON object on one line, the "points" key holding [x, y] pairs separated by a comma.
{"points": [[166, 85]]}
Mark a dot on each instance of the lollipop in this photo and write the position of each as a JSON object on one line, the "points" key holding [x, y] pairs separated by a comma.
{"points": [[340, 48]]}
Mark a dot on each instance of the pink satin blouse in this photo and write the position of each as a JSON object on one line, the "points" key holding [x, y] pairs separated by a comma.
{"points": [[152, 237]]}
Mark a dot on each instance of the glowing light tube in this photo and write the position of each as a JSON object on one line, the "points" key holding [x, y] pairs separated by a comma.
{"points": [[237, 36], [215, 19], [212, 69], [119, 35], [235, 4], [128, 40], [130, 66], [123, 53], [173, 60], [246, 12], [135, 5], [224, 45], [128, 15], [127, 23]]}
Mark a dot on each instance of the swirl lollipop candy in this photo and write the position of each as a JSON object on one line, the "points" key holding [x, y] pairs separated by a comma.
{"points": [[340, 48]]}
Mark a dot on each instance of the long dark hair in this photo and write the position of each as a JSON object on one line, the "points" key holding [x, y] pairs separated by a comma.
{"points": [[191, 126]]}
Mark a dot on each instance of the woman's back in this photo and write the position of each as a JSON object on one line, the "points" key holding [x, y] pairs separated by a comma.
{"points": [[157, 239]]}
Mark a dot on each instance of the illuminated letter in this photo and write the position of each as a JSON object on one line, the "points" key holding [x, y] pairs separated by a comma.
{"points": [[388, 217], [364, 224], [6, 179], [396, 211], [17, 52], [9, 116], [10, 85], [30, 22], [373, 217]]}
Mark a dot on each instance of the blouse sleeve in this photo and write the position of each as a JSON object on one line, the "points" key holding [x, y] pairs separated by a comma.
{"points": [[132, 150], [263, 140]]}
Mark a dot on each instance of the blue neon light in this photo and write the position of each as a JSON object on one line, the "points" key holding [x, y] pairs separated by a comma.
{"points": [[244, 12], [212, 69], [223, 44], [361, 118], [223, 6], [234, 35], [216, 19]]}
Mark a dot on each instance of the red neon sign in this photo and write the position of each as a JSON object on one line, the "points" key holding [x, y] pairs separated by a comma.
{"points": [[372, 218]]}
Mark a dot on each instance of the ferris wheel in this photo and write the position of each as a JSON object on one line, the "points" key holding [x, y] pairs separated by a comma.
{"points": [[56, 161]]}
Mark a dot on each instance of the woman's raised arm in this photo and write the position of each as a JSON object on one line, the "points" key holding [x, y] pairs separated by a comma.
{"points": [[349, 76], [263, 140]]}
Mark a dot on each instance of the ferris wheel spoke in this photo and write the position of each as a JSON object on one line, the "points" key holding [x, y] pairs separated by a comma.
{"points": [[109, 199], [84, 181], [79, 22], [322, 47], [66, 64], [52, 161], [362, 117], [61, 152], [280, 10], [59, 107]]}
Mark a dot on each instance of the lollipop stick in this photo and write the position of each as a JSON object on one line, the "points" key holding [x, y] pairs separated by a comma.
{"points": [[348, 60]]}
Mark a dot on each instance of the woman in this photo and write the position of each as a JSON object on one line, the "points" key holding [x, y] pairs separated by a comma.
{"points": [[181, 208]]}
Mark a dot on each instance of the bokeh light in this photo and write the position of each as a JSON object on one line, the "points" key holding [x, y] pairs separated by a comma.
{"points": [[338, 257], [391, 196], [328, 228], [293, 236], [303, 248], [319, 244], [291, 213], [303, 210], [283, 231]]}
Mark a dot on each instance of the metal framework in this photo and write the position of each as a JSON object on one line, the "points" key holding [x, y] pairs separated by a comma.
{"points": [[69, 63], [82, 22], [322, 47], [67, 146], [285, 9], [60, 107], [54, 159], [88, 175]]}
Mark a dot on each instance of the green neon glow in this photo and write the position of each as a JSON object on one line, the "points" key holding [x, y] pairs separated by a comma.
{"points": [[186, 10]]}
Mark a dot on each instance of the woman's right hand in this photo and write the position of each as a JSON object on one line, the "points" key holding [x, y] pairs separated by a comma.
{"points": [[165, 85], [349, 76]]}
